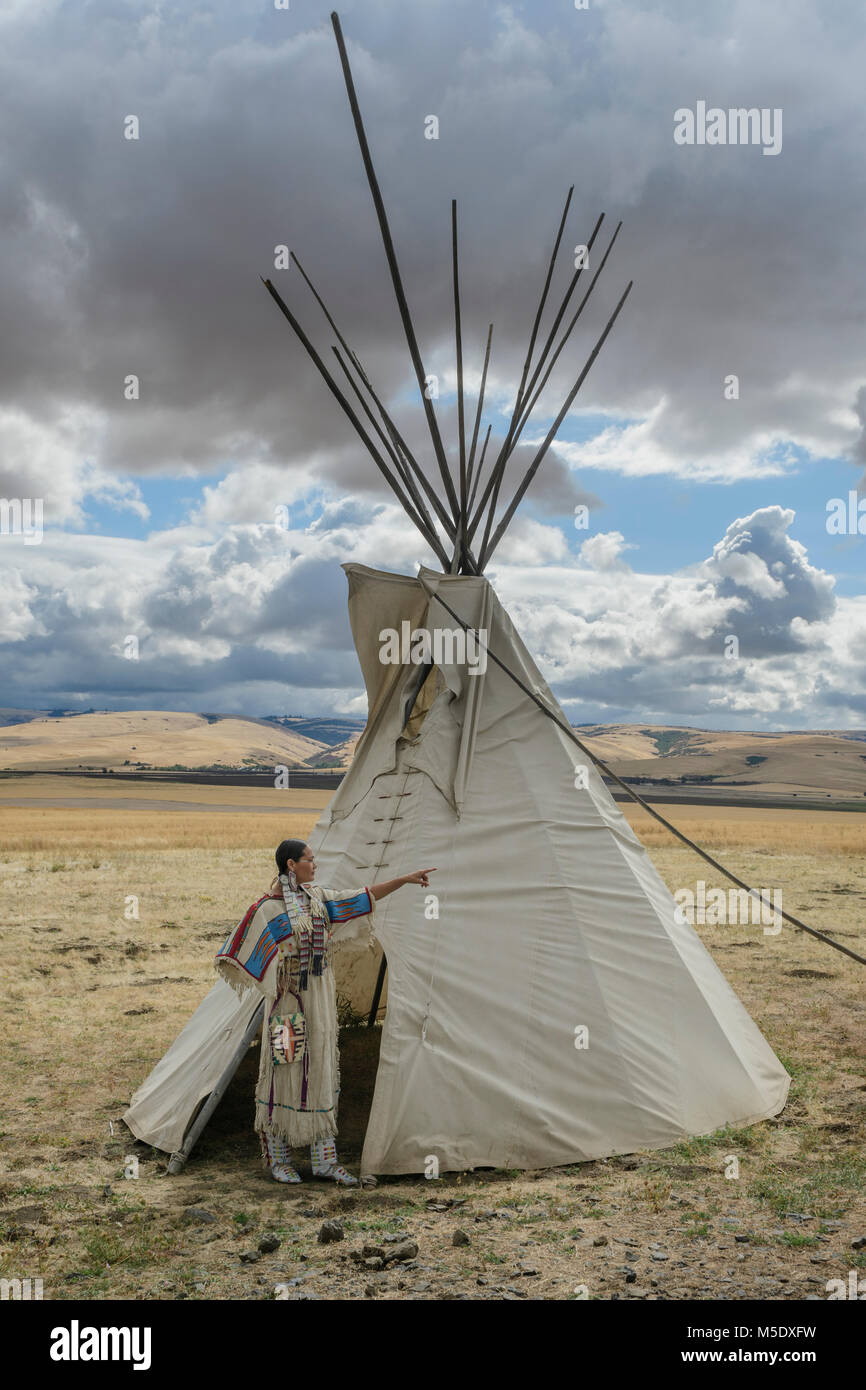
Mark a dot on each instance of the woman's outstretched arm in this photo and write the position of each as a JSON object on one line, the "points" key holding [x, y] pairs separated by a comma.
{"points": [[381, 890]]}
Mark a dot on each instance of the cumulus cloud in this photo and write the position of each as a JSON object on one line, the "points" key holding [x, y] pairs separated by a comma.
{"points": [[254, 619], [530, 542], [605, 551], [143, 256], [55, 459], [759, 563], [860, 444], [17, 618], [625, 645]]}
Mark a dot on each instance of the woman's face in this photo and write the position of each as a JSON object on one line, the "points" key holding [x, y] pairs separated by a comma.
{"points": [[305, 867]]}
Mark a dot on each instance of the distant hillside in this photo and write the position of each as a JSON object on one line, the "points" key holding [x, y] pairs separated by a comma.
{"points": [[19, 716], [330, 731], [784, 762], [794, 762], [341, 754], [153, 739]]}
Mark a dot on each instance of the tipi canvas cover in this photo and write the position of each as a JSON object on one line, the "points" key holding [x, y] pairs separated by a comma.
{"points": [[545, 1005], [551, 920]]}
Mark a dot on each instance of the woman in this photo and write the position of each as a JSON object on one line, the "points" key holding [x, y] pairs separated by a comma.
{"points": [[281, 949]]}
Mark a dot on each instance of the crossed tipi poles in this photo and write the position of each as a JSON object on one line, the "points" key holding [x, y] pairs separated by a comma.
{"points": [[460, 512]]}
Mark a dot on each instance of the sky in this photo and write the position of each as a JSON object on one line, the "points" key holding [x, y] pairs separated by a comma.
{"points": [[708, 586]]}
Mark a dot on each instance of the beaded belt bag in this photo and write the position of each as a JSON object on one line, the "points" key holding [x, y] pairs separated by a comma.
{"points": [[288, 1038]]}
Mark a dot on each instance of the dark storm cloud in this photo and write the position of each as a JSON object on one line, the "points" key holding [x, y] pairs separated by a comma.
{"points": [[142, 256]]}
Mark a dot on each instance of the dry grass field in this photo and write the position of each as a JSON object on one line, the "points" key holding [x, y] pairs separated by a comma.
{"points": [[91, 1000]]}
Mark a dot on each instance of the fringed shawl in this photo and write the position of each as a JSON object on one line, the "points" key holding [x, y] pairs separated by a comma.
{"points": [[297, 924]]}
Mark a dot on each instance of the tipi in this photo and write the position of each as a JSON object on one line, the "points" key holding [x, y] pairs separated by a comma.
{"points": [[546, 1004], [550, 1006]]}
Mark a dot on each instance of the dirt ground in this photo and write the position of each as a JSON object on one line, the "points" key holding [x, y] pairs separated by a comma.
{"points": [[92, 999]]}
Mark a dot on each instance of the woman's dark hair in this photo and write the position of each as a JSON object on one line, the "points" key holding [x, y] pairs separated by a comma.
{"points": [[289, 849]]}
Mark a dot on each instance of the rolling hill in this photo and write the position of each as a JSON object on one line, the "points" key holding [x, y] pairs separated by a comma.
{"points": [[794, 762], [139, 739]]}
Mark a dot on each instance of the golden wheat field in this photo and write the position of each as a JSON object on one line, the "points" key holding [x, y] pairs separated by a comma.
{"points": [[91, 1000]]}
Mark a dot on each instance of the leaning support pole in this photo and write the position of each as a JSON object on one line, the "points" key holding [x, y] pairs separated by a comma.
{"points": [[396, 437], [458, 344], [457, 559], [507, 444], [608, 772], [551, 435], [531, 404], [391, 256], [178, 1160], [541, 303], [346, 407], [429, 533], [377, 992], [479, 409], [498, 468], [562, 308], [479, 468]]}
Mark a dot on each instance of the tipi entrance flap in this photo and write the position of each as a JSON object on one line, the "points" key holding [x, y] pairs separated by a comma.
{"points": [[465, 672], [381, 602], [378, 600]]}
